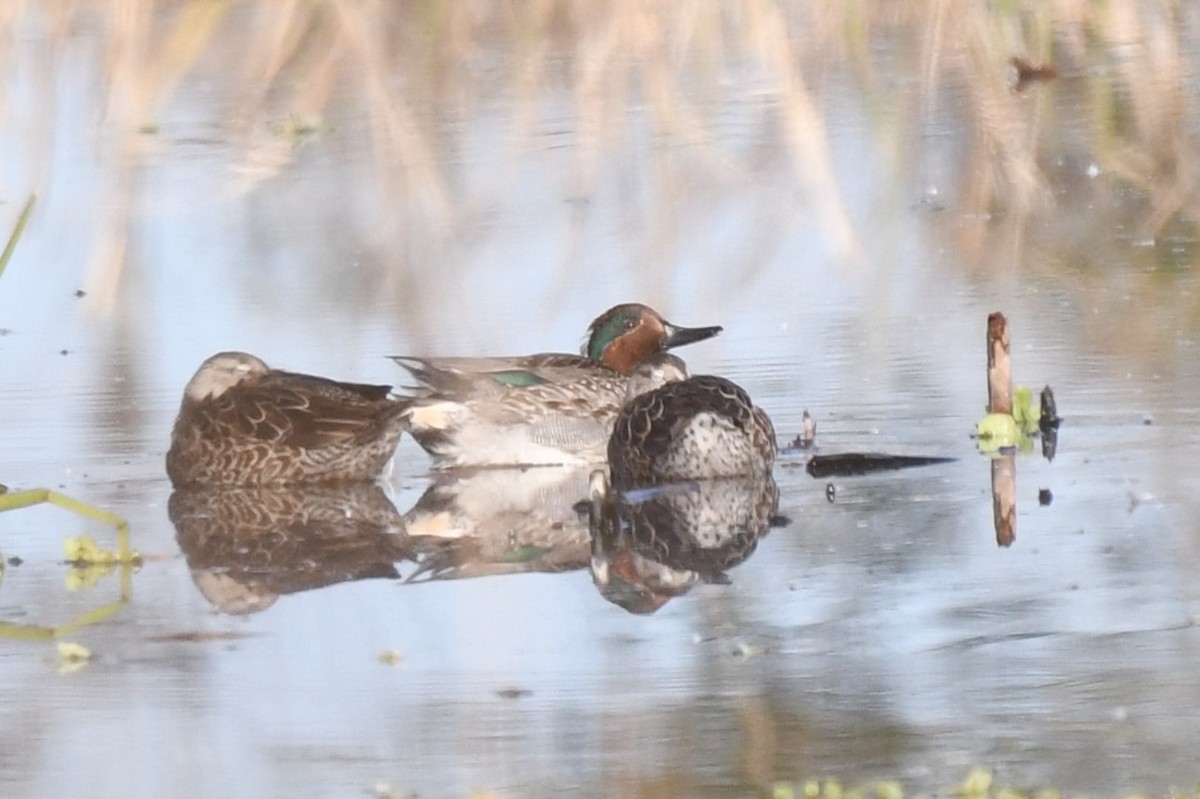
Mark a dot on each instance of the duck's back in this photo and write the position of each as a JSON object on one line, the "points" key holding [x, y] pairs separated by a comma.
{"points": [[705, 426]]}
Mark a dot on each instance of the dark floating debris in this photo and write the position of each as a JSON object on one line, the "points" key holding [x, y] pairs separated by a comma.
{"points": [[1050, 418], [808, 436], [830, 492], [1049, 443], [1048, 424], [848, 464], [200, 637], [79, 293], [1028, 73], [1045, 497]]}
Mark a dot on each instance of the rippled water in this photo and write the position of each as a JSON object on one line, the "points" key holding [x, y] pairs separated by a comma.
{"points": [[476, 208]]}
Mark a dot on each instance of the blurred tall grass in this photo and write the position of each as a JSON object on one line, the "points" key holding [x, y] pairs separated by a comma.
{"points": [[276, 71]]}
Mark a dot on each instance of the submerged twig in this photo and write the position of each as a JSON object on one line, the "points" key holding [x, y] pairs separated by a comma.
{"points": [[126, 558], [1004, 499], [1000, 401]]}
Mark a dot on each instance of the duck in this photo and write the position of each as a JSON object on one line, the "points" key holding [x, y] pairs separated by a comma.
{"points": [[242, 423], [652, 544], [694, 428], [483, 522], [543, 409], [245, 546]]}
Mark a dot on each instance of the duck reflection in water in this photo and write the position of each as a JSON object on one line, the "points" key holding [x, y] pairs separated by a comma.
{"points": [[691, 490], [247, 546], [476, 523], [652, 544]]}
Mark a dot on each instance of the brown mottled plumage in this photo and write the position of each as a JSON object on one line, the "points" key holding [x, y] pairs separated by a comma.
{"points": [[242, 423], [705, 426], [647, 549], [246, 546]]}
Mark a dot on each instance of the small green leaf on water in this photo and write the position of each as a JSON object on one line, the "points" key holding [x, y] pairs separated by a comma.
{"points": [[998, 430], [301, 127], [1026, 416], [391, 657], [85, 578], [72, 657], [84, 550], [306, 124], [889, 789], [782, 790], [976, 785]]}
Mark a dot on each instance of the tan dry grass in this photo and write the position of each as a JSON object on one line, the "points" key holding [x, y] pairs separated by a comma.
{"points": [[411, 67]]}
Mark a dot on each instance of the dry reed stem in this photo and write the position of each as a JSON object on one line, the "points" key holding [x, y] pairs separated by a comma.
{"points": [[409, 67]]}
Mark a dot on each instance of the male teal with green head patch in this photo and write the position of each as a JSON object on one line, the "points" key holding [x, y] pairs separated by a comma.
{"points": [[549, 408]]}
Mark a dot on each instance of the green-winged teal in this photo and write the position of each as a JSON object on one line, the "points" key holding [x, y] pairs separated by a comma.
{"points": [[552, 408], [483, 522], [242, 423], [701, 427], [655, 543], [246, 546]]}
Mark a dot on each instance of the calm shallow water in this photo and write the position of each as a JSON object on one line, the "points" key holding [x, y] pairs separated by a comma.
{"points": [[883, 635]]}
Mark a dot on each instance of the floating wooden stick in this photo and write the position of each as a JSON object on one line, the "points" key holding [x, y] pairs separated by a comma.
{"points": [[1000, 400], [1004, 499], [1000, 391]]}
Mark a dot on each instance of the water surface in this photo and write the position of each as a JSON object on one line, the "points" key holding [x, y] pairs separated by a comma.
{"points": [[849, 196]]}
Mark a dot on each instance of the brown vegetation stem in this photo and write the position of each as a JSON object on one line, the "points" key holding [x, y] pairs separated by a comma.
{"points": [[16, 234], [1000, 392]]}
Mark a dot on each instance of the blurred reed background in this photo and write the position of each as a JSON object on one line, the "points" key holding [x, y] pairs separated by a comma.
{"points": [[401, 80]]}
